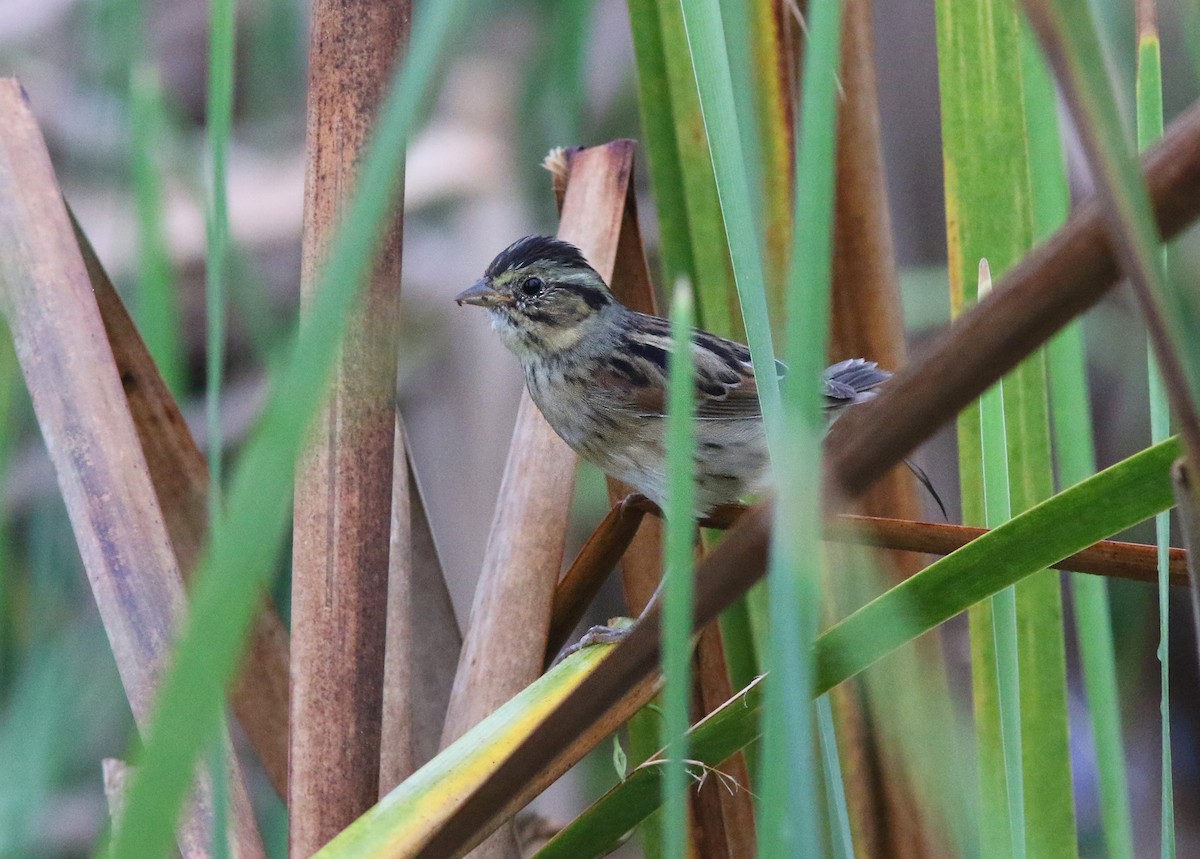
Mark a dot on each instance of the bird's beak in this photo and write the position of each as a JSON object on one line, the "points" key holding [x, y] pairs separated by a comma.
{"points": [[481, 295]]}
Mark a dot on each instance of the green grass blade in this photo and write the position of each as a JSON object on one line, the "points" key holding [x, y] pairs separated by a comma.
{"points": [[789, 795], [678, 550], [156, 306], [656, 112], [1072, 432], [710, 63], [1067, 31], [249, 535], [220, 128], [990, 214], [997, 504], [835, 787], [1149, 130], [716, 292]]}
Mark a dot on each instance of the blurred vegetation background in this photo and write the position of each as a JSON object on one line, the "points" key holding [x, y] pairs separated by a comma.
{"points": [[119, 89]]}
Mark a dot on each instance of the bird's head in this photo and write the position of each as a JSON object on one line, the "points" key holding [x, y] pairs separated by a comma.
{"points": [[542, 295]]}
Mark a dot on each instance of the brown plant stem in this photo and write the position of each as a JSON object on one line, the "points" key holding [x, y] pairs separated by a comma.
{"points": [[579, 586], [344, 479], [81, 408], [867, 320], [1112, 558]]}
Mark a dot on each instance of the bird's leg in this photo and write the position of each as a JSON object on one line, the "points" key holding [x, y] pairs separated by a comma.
{"points": [[617, 628]]}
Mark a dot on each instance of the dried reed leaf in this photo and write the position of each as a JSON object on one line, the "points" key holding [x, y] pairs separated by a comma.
{"points": [[599, 555], [84, 416], [423, 640], [180, 477]]}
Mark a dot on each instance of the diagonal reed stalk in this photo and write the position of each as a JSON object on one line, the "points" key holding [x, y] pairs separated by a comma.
{"points": [[82, 409]]}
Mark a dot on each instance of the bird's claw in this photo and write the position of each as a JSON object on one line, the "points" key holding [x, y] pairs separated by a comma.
{"points": [[613, 633]]}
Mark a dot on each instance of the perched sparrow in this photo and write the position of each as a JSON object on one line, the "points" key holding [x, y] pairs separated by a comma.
{"points": [[598, 372]]}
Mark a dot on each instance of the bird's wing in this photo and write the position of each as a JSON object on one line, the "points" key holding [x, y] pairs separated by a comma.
{"points": [[724, 376]]}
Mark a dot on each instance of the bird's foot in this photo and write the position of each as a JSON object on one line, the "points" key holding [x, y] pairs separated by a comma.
{"points": [[612, 633]]}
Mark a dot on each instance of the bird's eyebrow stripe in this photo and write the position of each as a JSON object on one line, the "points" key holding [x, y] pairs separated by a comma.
{"points": [[594, 297]]}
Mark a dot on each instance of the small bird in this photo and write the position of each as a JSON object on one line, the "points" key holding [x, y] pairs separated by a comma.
{"points": [[598, 372]]}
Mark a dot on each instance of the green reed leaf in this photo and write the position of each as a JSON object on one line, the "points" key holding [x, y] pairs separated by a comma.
{"points": [[789, 796], [678, 562]]}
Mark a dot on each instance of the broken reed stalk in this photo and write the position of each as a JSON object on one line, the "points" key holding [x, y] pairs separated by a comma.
{"points": [[506, 635], [343, 502], [180, 476], [84, 417], [1058, 280], [423, 638]]}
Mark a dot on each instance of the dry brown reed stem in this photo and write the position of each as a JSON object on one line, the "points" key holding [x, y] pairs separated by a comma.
{"points": [[1112, 558], [84, 417], [1060, 279], [603, 549], [423, 635], [866, 319], [510, 617], [180, 477], [1051, 285], [344, 479]]}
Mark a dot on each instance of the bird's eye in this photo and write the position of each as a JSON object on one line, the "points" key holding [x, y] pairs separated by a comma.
{"points": [[532, 286]]}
